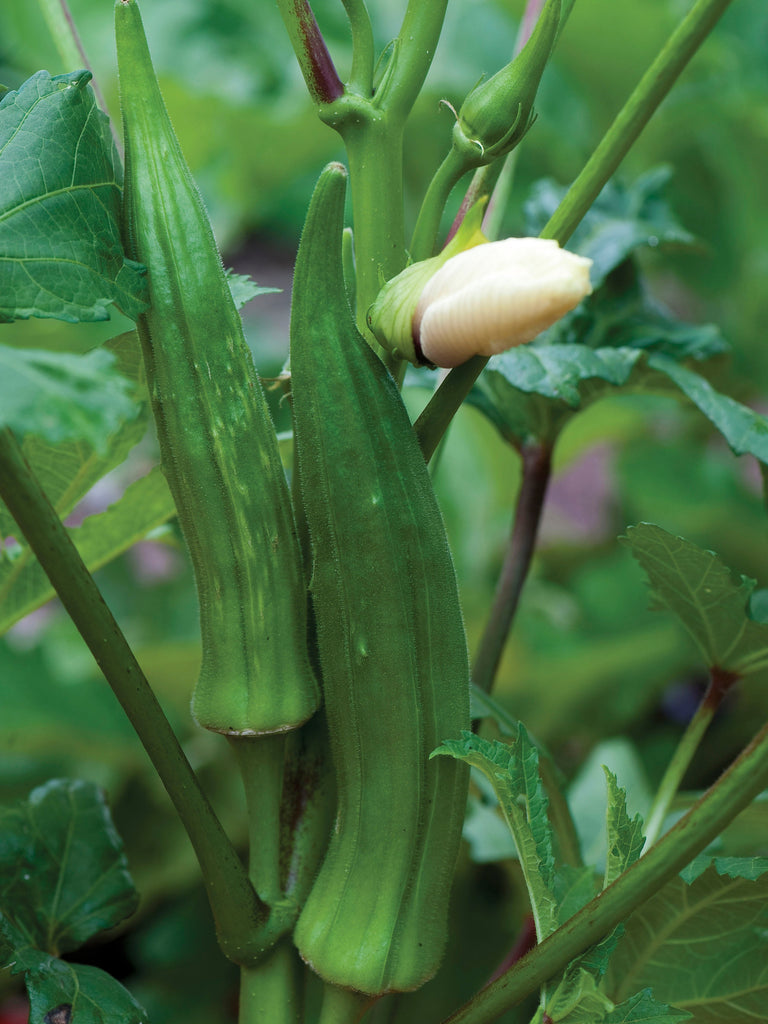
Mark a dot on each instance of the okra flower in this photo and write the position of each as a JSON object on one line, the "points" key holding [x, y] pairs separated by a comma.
{"points": [[482, 301]]}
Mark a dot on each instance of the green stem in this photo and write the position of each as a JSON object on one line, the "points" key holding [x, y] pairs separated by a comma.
{"points": [[441, 408], [536, 469], [629, 123], [261, 760], [375, 152], [361, 74], [424, 240], [414, 49], [731, 794], [720, 682], [237, 909], [634, 116], [343, 1006], [272, 992]]}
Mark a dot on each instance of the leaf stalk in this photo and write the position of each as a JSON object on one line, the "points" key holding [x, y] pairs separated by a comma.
{"points": [[238, 911]]}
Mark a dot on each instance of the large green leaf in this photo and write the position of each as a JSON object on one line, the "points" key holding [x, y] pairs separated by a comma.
{"points": [[63, 397], [60, 249], [145, 505], [63, 873], [708, 599], [513, 771], [702, 945]]}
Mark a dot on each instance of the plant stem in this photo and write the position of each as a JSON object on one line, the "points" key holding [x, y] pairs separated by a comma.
{"points": [[272, 992], [261, 760], [537, 468], [731, 794], [720, 681], [441, 408], [315, 61], [343, 1006], [412, 56], [633, 117], [238, 911], [424, 240], [361, 74]]}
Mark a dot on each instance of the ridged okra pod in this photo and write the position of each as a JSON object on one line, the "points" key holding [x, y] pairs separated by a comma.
{"points": [[390, 637], [217, 441]]}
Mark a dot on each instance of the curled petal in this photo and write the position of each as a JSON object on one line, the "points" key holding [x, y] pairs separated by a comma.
{"points": [[495, 296]]}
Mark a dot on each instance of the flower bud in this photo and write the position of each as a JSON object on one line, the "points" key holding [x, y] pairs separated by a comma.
{"points": [[496, 296], [390, 318], [496, 115]]}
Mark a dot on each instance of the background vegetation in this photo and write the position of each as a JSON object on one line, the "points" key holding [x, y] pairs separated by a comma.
{"points": [[591, 671]]}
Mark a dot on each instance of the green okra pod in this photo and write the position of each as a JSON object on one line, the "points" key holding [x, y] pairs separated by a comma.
{"points": [[217, 441], [390, 638]]}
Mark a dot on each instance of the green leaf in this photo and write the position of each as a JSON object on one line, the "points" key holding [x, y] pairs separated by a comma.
{"points": [[701, 946], [643, 1009], [744, 430], [623, 219], [707, 598], [60, 249], [63, 870], [574, 888], [532, 390], [244, 288], [513, 771], [67, 470], [625, 834], [145, 505], [63, 397], [587, 795], [60, 993]]}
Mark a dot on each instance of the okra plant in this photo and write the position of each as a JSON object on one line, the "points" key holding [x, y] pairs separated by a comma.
{"points": [[336, 680]]}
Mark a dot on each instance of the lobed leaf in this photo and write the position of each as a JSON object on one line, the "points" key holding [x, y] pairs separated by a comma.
{"points": [[704, 595], [701, 944], [63, 873], [513, 771], [60, 185], [625, 834]]}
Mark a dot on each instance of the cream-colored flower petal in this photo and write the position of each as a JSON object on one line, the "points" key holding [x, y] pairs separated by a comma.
{"points": [[495, 296]]}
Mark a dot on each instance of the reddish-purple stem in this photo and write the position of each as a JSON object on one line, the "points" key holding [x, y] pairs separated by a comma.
{"points": [[320, 73]]}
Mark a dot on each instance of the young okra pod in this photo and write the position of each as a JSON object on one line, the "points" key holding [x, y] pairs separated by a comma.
{"points": [[217, 441], [390, 637]]}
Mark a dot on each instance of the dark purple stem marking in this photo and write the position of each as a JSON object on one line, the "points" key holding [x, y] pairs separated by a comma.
{"points": [[537, 469], [320, 74]]}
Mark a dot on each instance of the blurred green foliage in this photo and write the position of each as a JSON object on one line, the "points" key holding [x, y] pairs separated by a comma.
{"points": [[587, 662]]}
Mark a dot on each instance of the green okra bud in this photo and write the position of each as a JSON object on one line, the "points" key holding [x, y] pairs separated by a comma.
{"points": [[217, 441], [496, 114]]}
